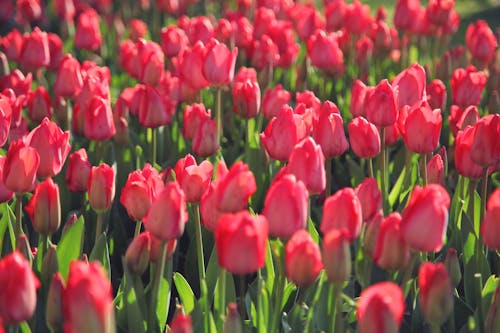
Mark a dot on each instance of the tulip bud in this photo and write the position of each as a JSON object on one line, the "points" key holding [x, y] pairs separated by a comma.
{"points": [[205, 139], [88, 34], [44, 207], [328, 131], [137, 254], [307, 163], [20, 168], [381, 107], [23, 247], [391, 251], [50, 264], [101, 188], [181, 323], [410, 85], [370, 198], [364, 138], [342, 211], [71, 220], [53, 313], [436, 94], [78, 171], [436, 297], [435, 170], [233, 320], [302, 259], [98, 120], [18, 297], [246, 96], [481, 41], [371, 233], [453, 267], [336, 256]]}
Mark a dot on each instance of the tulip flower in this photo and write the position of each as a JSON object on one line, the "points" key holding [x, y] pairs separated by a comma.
{"points": [[370, 198], [78, 171], [481, 41], [20, 167], [336, 255], [5, 118], [459, 119], [152, 111], [410, 86], [205, 138], [35, 52], [435, 170], [88, 34], [273, 101], [328, 131], [182, 323], [302, 259], [69, 79], [391, 251], [191, 66], [246, 98], [436, 293], [307, 163], [489, 225], [235, 189], [193, 179], [380, 104], [101, 188], [364, 138], [358, 99], [342, 211], [54, 302], [324, 51], [436, 94], [137, 255], [485, 148], [98, 120], [467, 86], [39, 105], [173, 40], [44, 207], [219, 62]]}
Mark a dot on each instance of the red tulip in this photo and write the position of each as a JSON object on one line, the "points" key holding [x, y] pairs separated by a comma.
{"points": [[240, 240], [28, 11], [138, 29], [489, 225], [358, 98], [219, 62], [35, 52], [13, 45], [78, 171], [391, 251], [98, 120], [467, 86], [435, 170], [336, 255], [152, 62], [302, 259], [481, 41], [52, 144], [173, 40], [5, 193], [425, 218], [436, 292], [371, 233], [273, 101], [370, 198], [265, 53], [44, 207], [101, 187], [342, 211], [405, 13], [182, 323], [335, 15], [167, 215], [325, 53], [246, 98], [285, 206], [485, 148], [410, 85], [191, 66], [381, 105], [65, 9], [20, 168], [420, 127], [380, 308], [282, 34], [19, 284], [138, 253], [88, 34], [152, 110], [193, 179], [87, 300], [20, 84], [69, 79], [436, 94], [328, 131], [39, 105], [54, 302], [364, 138], [235, 189], [307, 163], [55, 50], [194, 115], [5, 118], [205, 138], [459, 119], [357, 18]]}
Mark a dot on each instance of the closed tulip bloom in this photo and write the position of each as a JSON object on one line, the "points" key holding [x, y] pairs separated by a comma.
{"points": [[436, 94], [191, 66], [88, 299], [235, 189], [19, 285], [39, 105], [420, 127], [5, 118], [410, 85], [460, 118], [20, 168], [489, 226], [436, 293], [219, 62], [5, 193], [194, 115], [35, 52], [265, 53], [336, 256], [463, 162], [485, 148], [52, 145], [173, 40], [78, 171], [17, 81], [405, 13], [467, 86], [137, 254], [435, 170], [13, 44], [193, 179], [329, 133], [101, 187], [240, 240], [88, 34], [246, 98], [54, 302], [273, 101], [136, 196], [69, 79], [391, 251], [364, 138], [425, 218], [182, 323], [152, 111], [380, 308], [285, 206], [153, 64], [98, 120], [371, 234], [302, 259], [44, 207], [307, 163], [358, 99], [283, 133], [342, 211], [481, 41], [56, 51], [205, 141], [167, 215], [324, 51], [370, 198], [380, 104]]}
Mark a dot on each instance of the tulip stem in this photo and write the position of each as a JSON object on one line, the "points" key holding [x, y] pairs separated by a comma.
{"points": [[424, 169], [201, 267], [153, 146], [470, 206], [484, 192], [249, 134], [335, 307], [480, 314], [309, 328], [278, 292], [160, 267], [370, 167], [222, 297], [98, 227], [408, 273], [328, 168], [19, 215], [138, 225], [259, 302], [218, 114], [383, 169]]}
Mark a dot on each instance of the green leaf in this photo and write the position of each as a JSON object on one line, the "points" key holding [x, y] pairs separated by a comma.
{"points": [[268, 273], [4, 225], [211, 275], [185, 292], [488, 292], [100, 253], [135, 317], [397, 188], [24, 327], [70, 247]]}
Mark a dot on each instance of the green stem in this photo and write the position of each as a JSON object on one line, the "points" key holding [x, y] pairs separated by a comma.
{"points": [[451, 320], [484, 192], [408, 272], [159, 268], [424, 169], [370, 167], [480, 314], [138, 225], [222, 297], [259, 302], [383, 170], [201, 267], [278, 293], [309, 328], [247, 140], [19, 215], [153, 148], [472, 190], [98, 227], [328, 167], [435, 328], [334, 295], [218, 114]]}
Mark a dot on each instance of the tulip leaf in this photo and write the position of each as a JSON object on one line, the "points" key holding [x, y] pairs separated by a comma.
{"points": [[211, 275], [100, 253], [4, 225], [268, 273], [164, 295], [70, 246], [24, 327], [488, 291], [397, 188], [135, 317], [185, 292]]}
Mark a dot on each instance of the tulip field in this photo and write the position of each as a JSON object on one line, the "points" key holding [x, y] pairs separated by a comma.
{"points": [[249, 166]]}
